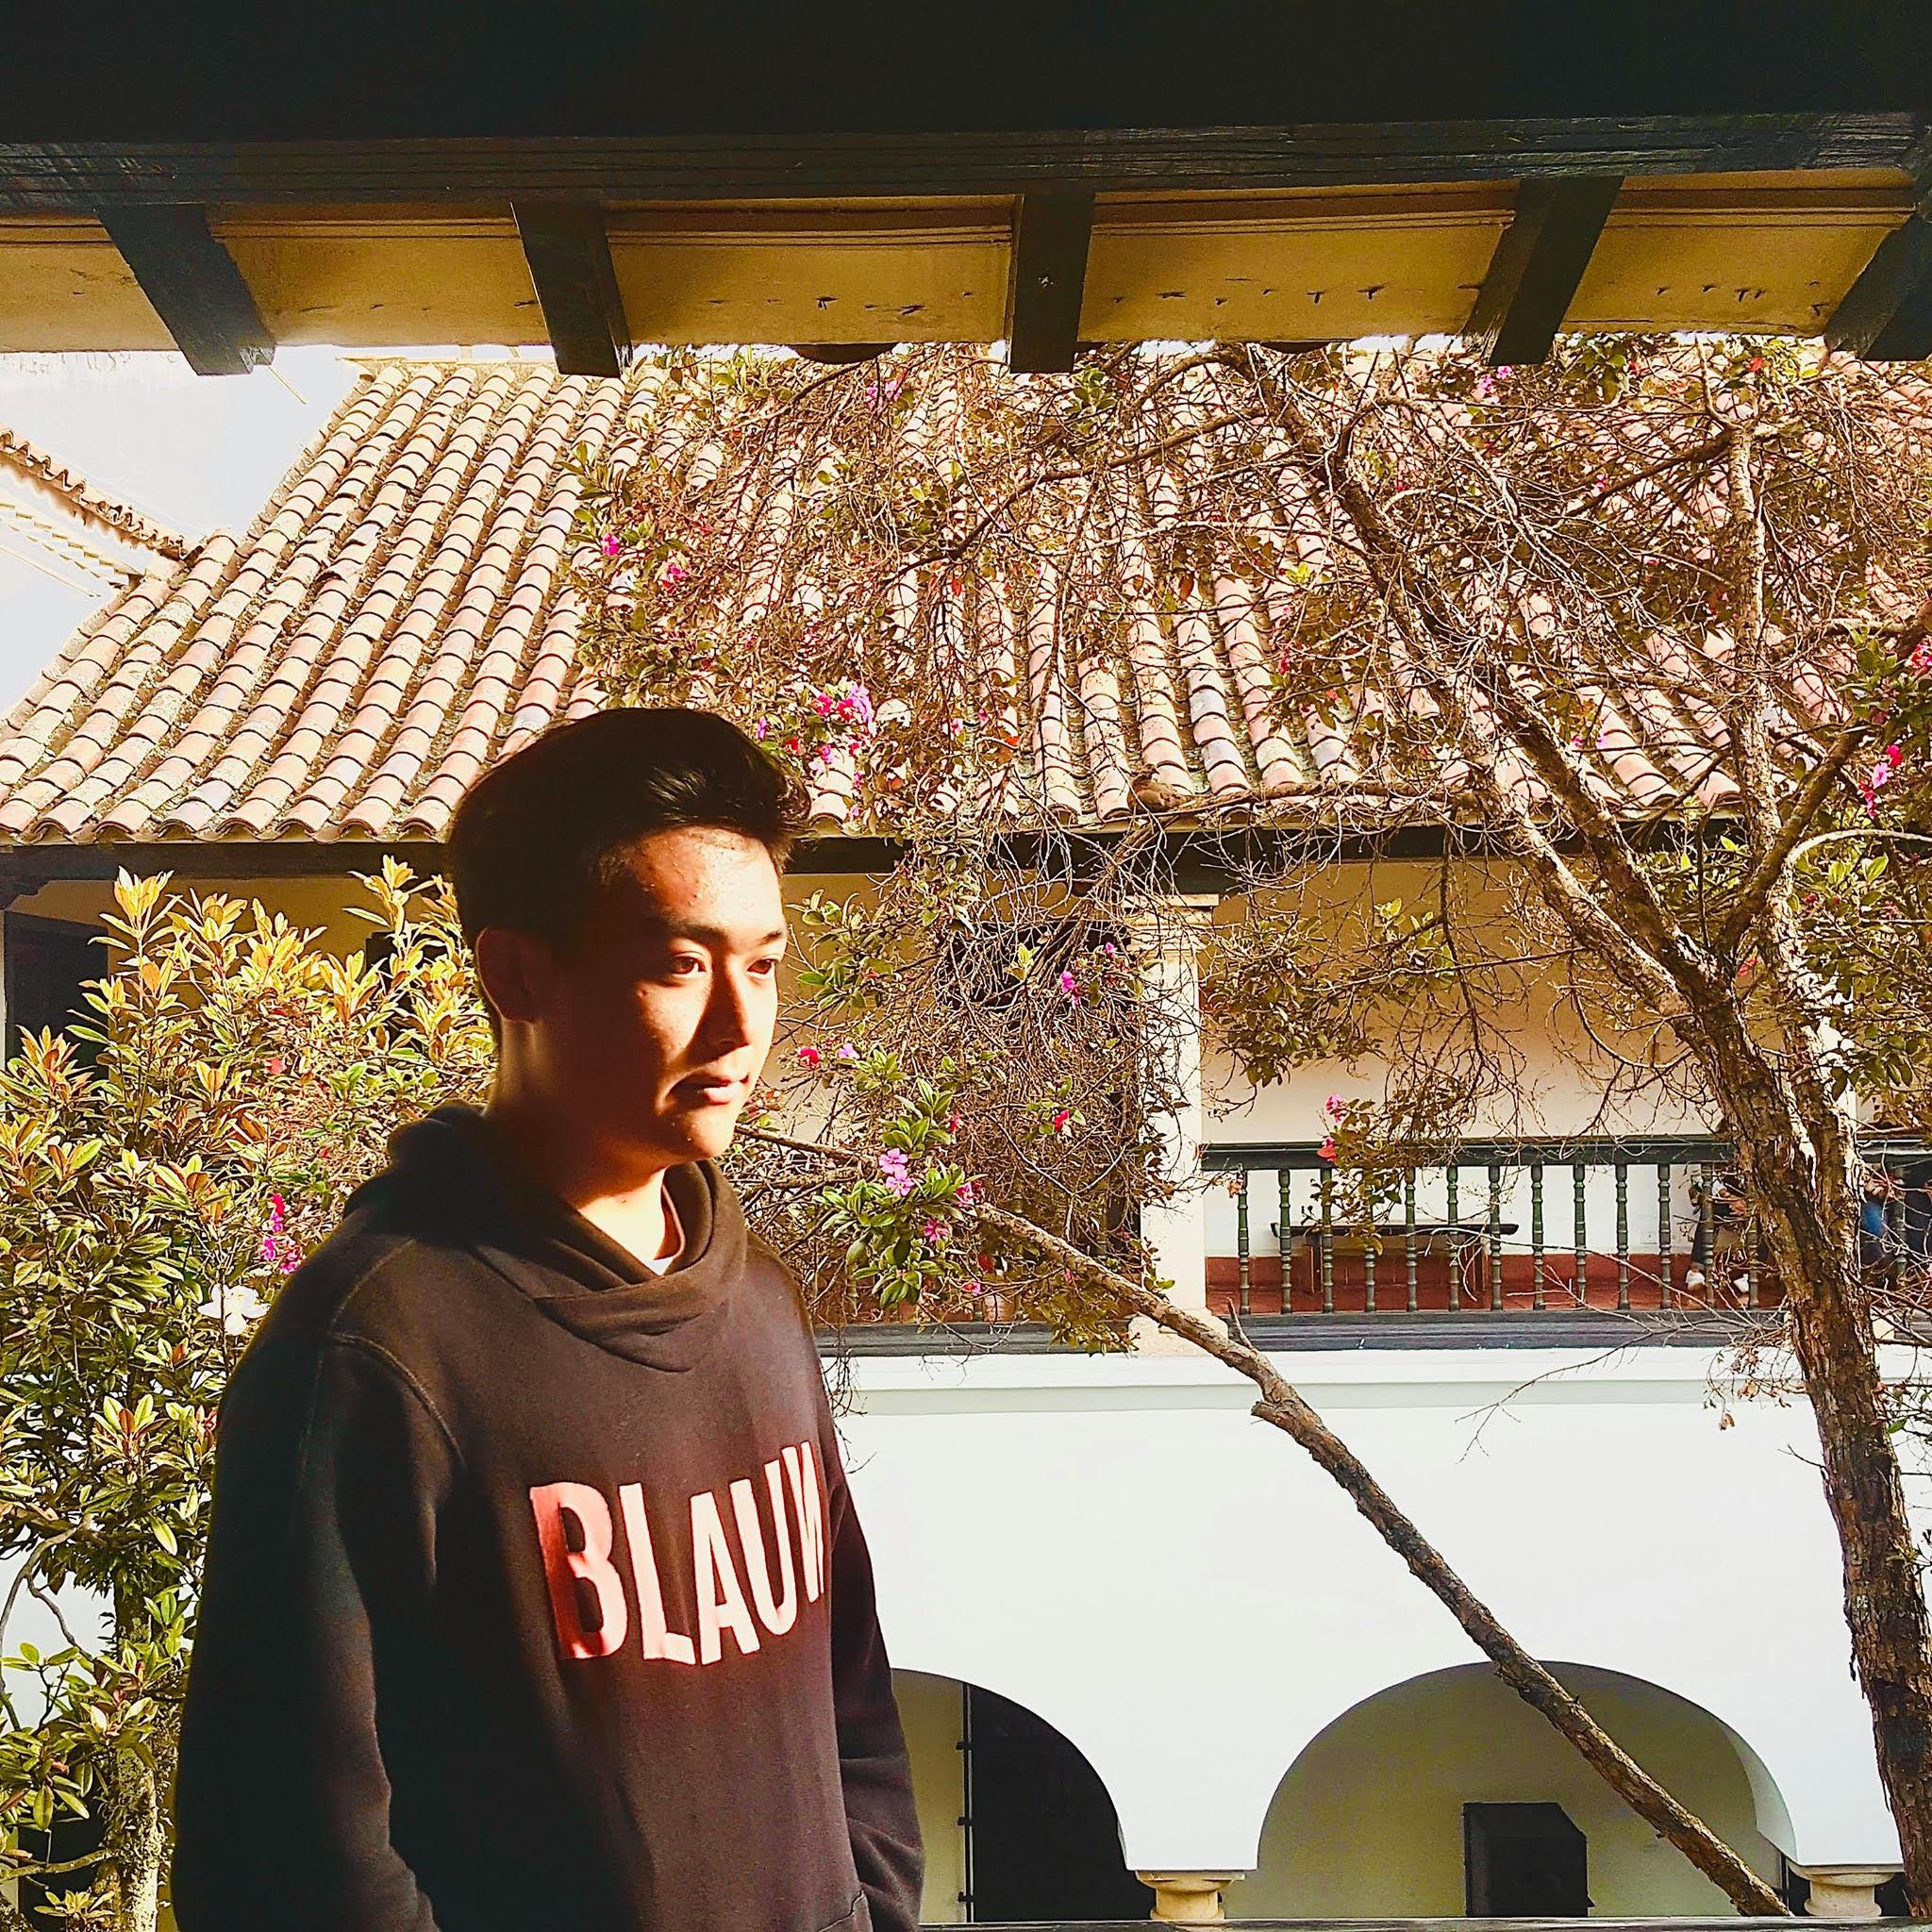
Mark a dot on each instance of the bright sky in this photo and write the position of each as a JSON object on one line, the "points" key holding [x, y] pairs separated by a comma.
{"points": [[199, 453]]}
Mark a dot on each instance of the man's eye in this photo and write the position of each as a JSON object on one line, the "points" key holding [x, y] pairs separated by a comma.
{"points": [[685, 966], [766, 967]]}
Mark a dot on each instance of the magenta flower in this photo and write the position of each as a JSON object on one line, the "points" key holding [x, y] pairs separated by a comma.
{"points": [[1071, 986], [611, 545], [933, 1231], [808, 1056], [1062, 1121]]}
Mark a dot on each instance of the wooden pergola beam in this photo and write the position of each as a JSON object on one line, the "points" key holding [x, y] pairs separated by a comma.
{"points": [[193, 284], [1051, 228], [1539, 264], [569, 257], [1887, 313]]}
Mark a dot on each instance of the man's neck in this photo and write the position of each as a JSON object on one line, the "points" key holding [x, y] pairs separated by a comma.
{"points": [[617, 1193]]}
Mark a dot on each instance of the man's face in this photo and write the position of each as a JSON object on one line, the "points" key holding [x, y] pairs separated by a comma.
{"points": [[651, 1031]]}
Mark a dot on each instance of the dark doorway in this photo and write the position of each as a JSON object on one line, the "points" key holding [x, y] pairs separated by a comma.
{"points": [[1525, 1862], [1043, 1842], [47, 961]]}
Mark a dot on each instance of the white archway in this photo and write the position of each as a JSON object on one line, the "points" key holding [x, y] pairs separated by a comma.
{"points": [[1368, 1820]]}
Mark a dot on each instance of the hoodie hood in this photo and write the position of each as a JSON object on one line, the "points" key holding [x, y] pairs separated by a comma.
{"points": [[451, 1176]]}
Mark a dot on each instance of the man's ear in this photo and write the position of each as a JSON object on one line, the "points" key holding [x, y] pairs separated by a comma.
{"points": [[516, 969]]}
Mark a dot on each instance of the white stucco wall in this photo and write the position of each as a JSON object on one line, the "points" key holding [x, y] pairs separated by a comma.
{"points": [[1116, 1544]]}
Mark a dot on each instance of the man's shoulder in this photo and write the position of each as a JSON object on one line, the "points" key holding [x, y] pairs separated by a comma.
{"points": [[378, 1286]]}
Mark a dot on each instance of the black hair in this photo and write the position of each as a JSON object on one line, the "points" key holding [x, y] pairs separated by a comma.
{"points": [[536, 836]]}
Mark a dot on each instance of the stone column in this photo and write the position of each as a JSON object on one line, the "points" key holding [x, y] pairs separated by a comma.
{"points": [[1177, 1229], [1845, 1892], [1188, 1898]]}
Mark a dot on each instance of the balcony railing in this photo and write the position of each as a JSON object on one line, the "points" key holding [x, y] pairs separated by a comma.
{"points": [[1507, 1226]]}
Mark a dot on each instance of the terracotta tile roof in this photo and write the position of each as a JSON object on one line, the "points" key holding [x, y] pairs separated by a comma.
{"points": [[402, 613]]}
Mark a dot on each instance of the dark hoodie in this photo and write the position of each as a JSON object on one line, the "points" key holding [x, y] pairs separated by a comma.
{"points": [[535, 1594]]}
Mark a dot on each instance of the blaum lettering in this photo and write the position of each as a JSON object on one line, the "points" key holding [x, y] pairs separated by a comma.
{"points": [[739, 1584]]}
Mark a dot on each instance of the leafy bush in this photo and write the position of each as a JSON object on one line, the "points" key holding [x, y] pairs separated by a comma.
{"points": [[244, 1081]]}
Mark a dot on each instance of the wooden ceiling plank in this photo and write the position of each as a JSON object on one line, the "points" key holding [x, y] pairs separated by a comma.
{"points": [[81, 176], [1051, 228], [1898, 276], [1539, 264], [569, 256], [193, 285]]}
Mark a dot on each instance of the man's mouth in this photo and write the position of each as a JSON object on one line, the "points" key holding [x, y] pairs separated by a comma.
{"points": [[709, 1089]]}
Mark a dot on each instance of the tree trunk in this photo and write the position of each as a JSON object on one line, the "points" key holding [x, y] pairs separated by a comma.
{"points": [[136, 1840], [1284, 1409], [1812, 1235]]}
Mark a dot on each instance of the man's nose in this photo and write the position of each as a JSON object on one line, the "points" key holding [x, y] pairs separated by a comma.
{"points": [[728, 1019]]}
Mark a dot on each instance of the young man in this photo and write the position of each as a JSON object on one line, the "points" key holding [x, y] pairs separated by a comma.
{"points": [[535, 1595]]}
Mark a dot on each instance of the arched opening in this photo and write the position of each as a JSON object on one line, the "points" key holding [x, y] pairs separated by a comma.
{"points": [[1017, 1825], [1384, 1814]]}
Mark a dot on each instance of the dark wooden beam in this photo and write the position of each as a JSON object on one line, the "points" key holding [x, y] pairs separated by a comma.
{"points": [[1051, 229], [569, 263], [194, 286], [1887, 305], [80, 177], [1907, 337], [1539, 262]]}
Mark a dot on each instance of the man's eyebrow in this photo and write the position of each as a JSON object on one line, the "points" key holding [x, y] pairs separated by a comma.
{"points": [[713, 935]]}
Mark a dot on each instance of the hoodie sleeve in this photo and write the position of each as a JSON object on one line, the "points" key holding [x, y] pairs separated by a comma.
{"points": [[873, 1764], [323, 1532]]}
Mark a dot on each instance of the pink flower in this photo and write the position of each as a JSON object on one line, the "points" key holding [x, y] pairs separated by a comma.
{"points": [[966, 1193], [270, 1247], [1107, 949], [808, 1056], [893, 1164], [1062, 1121], [1334, 1106], [972, 1287], [762, 729], [847, 1051], [611, 546], [1071, 986], [279, 1213], [933, 1231], [1920, 660], [953, 1123]]}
